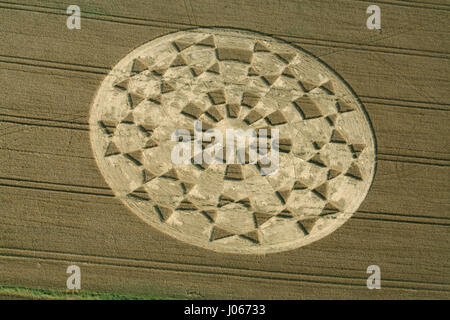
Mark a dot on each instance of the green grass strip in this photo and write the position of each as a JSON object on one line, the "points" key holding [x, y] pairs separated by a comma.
{"points": [[12, 292]]}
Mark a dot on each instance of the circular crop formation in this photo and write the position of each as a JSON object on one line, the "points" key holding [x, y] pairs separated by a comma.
{"points": [[324, 154]]}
